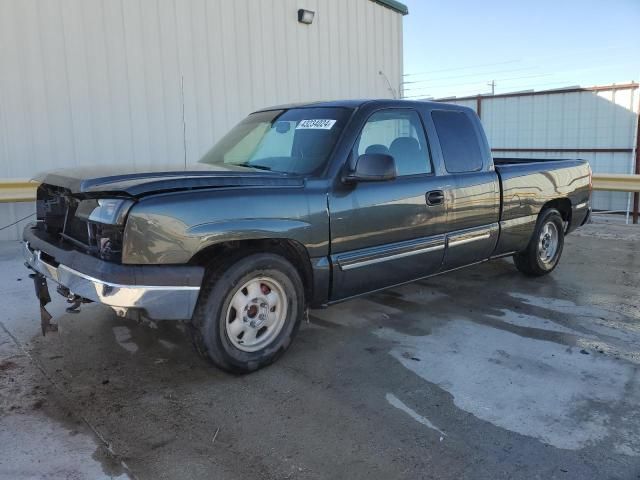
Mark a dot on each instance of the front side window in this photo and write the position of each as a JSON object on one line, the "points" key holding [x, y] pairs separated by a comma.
{"points": [[294, 141], [398, 133]]}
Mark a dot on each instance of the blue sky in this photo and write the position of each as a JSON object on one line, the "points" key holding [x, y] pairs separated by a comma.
{"points": [[456, 47]]}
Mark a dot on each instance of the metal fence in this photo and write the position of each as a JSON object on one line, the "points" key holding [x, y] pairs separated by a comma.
{"points": [[598, 124]]}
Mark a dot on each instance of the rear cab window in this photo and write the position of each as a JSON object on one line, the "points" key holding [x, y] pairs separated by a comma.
{"points": [[459, 142]]}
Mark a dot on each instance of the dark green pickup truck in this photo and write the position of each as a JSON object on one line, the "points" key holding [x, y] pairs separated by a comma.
{"points": [[299, 206]]}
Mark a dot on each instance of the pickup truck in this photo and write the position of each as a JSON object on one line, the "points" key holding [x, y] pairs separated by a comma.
{"points": [[298, 207]]}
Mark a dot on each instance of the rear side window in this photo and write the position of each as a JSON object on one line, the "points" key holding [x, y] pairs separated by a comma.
{"points": [[458, 140]]}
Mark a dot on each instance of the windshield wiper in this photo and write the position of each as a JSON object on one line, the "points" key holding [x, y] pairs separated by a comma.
{"points": [[254, 165]]}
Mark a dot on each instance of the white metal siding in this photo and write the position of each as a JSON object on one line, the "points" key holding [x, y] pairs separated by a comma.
{"points": [[604, 119], [99, 81], [465, 103]]}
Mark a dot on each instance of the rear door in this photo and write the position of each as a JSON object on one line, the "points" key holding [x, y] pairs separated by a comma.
{"points": [[385, 233], [474, 203]]}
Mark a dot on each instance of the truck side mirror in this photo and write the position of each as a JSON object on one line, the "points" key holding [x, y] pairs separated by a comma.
{"points": [[373, 167]]}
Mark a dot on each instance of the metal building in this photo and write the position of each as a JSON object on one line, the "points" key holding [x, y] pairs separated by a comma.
{"points": [[159, 81], [598, 124]]}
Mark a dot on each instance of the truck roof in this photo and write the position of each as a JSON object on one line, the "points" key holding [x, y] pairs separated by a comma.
{"points": [[353, 103]]}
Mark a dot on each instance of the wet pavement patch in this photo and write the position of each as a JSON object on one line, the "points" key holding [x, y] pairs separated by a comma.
{"points": [[39, 436], [528, 386]]}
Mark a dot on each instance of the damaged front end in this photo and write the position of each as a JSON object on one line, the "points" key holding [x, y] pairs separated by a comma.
{"points": [[92, 225], [43, 296], [77, 243]]}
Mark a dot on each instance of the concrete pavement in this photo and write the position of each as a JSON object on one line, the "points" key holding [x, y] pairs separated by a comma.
{"points": [[481, 373]]}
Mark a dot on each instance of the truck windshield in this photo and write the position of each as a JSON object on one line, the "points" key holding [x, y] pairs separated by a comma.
{"points": [[294, 141]]}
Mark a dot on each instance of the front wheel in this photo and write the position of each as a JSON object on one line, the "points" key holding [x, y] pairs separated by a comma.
{"points": [[545, 247], [248, 312]]}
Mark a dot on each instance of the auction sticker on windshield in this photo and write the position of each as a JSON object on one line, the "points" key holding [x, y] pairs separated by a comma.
{"points": [[318, 124]]}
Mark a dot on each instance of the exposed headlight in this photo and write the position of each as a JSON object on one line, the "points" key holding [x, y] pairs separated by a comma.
{"points": [[108, 211]]}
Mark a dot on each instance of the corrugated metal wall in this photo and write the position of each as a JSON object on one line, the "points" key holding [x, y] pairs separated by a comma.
{"points": [[104, 81], [602, 119]]}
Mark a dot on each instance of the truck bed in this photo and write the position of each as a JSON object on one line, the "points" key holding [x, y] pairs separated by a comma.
{"points": [[519, 160], [524, 181], [527, 184]]}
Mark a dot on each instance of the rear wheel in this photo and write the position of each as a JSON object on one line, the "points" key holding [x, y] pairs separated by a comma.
{"points": [[545, 247], [248, 312]]}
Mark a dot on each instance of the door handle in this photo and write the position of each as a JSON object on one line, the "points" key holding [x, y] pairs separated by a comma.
{"points": [[435, 197]]}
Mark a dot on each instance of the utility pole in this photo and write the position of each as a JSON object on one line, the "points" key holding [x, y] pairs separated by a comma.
{"points": [[493, 87]]}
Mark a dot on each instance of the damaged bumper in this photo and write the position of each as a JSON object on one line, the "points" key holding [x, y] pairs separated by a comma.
{"points": [[159, 292]]}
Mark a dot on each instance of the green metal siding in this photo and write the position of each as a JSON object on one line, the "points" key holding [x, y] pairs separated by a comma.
{"points": [[393, 5]]}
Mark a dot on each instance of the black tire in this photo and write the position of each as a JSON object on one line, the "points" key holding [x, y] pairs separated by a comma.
{"points": [[208, 326], [530, 260]]}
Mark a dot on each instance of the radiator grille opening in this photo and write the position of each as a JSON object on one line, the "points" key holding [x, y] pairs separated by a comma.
{"points": [[58, 215]]}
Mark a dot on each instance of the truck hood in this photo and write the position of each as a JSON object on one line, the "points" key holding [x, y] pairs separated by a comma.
{"points": [[142, 181]]}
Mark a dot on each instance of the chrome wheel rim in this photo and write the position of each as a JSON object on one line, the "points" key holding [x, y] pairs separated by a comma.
{"points": [[256, 314], [548, 243]]}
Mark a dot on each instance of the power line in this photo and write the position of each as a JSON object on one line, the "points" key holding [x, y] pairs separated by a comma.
{"points": [[469, 75], [572, 54], [468, 93], [429, 86], [477, 81], [461, 68], [575, 53], [17, 221]]}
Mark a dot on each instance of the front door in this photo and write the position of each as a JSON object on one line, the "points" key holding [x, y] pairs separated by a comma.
{"points": [[386, 233]]}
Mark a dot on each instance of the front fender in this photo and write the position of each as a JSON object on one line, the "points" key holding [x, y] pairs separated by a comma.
{"points": [[212, 233], [172, 229]]}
